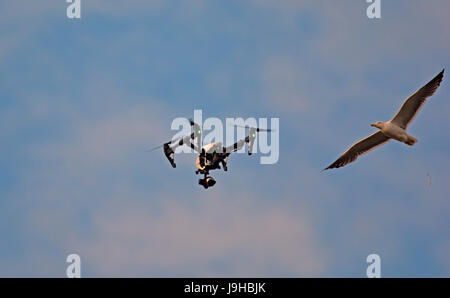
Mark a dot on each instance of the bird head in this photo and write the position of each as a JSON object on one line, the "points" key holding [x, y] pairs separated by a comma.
{"points": [[378, 124]]}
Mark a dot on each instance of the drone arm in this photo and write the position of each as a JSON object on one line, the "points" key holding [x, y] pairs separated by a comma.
{"points": [[194, 147], [169, 148], [188, 140], [249, 140], [175, 144], [236, 146]]}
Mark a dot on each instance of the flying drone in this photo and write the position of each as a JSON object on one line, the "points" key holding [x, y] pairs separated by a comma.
{"points": [[210, 156]]}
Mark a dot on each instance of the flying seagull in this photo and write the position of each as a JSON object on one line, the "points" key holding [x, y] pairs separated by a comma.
{"points": [[394, 128]]}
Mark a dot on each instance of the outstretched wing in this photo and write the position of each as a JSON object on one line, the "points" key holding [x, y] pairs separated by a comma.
{"points": [[414, 103], [361, 147]]}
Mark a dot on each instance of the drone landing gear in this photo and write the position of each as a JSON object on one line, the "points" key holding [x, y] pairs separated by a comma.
{"points": [[170, 154], [207, 182]]}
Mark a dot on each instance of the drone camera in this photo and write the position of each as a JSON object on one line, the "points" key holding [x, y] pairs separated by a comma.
{"points": [[207, 182], [210, 181]]}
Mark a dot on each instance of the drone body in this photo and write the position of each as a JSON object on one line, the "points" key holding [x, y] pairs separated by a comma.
{"points": [[210, 156]]}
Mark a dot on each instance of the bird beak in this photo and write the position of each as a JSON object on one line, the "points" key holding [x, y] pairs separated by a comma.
{"points": [[373, 125]]}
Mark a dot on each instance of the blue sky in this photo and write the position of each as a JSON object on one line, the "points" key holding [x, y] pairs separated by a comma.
{"points": [[81, 100]]}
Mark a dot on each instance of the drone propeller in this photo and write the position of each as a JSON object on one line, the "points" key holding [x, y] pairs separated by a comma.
{"points": [[155, 148], [250, 127], [160, 146]]}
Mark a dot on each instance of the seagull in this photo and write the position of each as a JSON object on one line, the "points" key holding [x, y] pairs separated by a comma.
{"points": [[394, 128]]}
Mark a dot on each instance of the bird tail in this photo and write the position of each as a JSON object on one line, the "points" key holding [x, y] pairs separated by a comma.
{"points": [[410, 140]]}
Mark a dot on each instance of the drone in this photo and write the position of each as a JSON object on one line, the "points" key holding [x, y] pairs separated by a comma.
{"points": [[211, 156]]}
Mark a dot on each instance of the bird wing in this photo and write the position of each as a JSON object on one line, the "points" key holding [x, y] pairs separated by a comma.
{"points": [[412, 104], [361, 147]]}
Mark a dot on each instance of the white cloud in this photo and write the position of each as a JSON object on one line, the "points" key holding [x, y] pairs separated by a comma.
{"points": [[221, 236], [84, 192]]}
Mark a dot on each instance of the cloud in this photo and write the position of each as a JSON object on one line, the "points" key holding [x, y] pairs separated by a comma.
{"points": [[79, 179], [443, 257], [92, 191], [132, 232], [222, 236]]}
